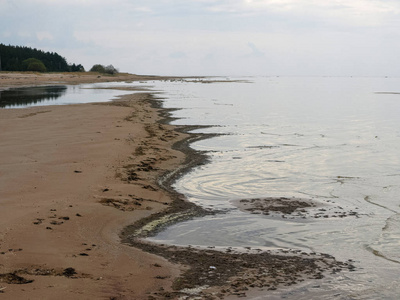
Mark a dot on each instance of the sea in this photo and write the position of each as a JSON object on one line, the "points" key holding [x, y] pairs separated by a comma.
{"points": [[334, 141]]}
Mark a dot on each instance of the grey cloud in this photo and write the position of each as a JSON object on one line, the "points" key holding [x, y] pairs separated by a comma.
{"points": [[177, 55]]}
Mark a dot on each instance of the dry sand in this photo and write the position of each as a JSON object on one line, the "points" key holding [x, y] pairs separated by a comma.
{"points": [[57, 164]]}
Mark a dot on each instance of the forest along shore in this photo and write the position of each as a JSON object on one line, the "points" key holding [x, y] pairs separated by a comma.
{"points": [[77, 180]]}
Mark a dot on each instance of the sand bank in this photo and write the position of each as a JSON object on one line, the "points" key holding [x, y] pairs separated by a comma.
{"points": [[15, 79]]}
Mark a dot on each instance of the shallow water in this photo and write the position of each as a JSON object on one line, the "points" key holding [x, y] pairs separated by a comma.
{"points": [[332, 140], [56, 95]]}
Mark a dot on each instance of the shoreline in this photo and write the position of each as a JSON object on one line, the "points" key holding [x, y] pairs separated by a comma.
{"points": [[60, 167], [21, 79], [129, 197]]}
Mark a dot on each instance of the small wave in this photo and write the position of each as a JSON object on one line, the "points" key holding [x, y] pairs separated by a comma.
{"points": [[262, 147], [380, 254], [368, 199], [386, 245]]}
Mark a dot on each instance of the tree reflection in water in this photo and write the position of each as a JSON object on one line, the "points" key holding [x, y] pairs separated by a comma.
{"points": [[30, 95]]}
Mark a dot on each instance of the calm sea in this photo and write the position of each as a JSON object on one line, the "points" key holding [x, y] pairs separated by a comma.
{"points": [[333, 140]]}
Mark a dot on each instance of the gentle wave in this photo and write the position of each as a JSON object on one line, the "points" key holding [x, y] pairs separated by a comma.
{"points": [[330, 140]]}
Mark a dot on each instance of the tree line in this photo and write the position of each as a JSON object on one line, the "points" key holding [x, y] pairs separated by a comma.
{"points": [[21, 58]]}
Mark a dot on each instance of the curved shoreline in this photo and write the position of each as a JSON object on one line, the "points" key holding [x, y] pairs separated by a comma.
{"points": [[127, 148], [266, 270], [180, 209]]}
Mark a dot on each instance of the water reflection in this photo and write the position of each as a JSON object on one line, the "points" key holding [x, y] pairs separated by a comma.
{"points": [[60, 95], [30, 95]]}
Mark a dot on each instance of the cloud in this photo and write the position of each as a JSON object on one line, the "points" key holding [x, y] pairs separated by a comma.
{"points": [[143, 9], [178, 55], [71, 2], [43, 35], [355, 12], [6, 34], [24, 34], [210, 36]]}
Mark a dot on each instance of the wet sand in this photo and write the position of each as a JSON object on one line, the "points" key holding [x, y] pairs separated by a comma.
{"points": [[79, 186]]}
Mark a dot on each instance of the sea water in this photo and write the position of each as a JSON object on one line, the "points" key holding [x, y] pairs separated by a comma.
{"points": [[332, 140]]}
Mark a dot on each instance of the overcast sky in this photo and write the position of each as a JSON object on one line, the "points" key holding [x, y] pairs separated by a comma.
{"points": [[213, 37]]}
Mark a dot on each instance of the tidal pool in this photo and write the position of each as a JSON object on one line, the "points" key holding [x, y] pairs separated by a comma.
{"points": [[57, 95]]}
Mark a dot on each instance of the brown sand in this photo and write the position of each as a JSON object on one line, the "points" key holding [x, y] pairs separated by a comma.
{"points": [[14, 79], [58, 163]]}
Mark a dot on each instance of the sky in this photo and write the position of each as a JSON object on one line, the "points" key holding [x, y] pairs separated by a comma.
{"points": [[213, 37]]}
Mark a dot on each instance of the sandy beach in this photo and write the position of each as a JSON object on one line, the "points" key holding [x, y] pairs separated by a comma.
{"points": [[60, 167], [80, 186]]}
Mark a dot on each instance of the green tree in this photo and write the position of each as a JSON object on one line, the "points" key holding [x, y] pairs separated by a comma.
{"points": [[33, 64], [98, 68], [13, 56], [76, 68]]}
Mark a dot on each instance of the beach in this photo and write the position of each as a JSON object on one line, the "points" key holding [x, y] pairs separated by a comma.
{"points": [[59, 167], [81, 185]]}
